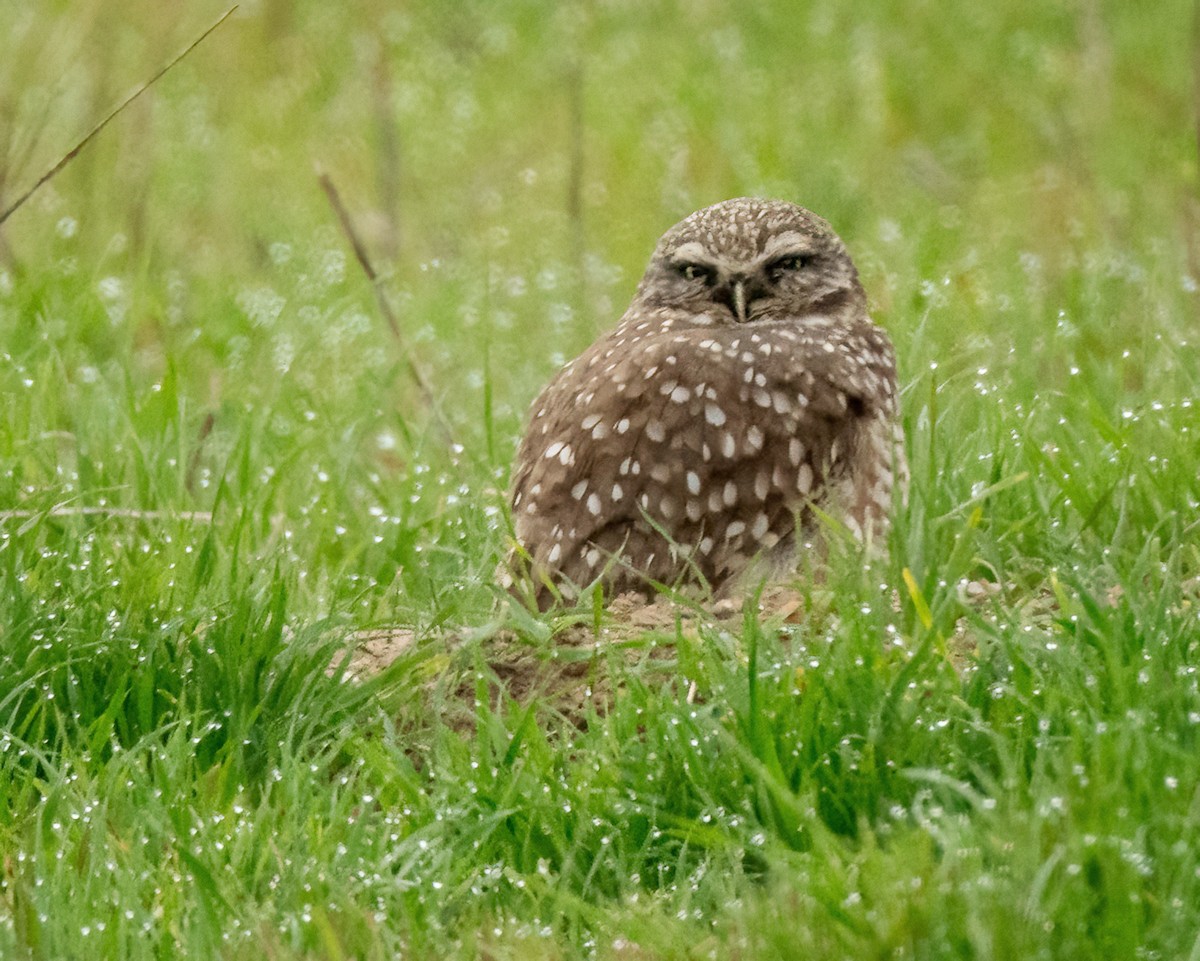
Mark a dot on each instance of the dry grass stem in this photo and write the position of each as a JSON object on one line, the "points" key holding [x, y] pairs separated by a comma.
{"points": [[201, 517], [74, 151], [420, 378]]}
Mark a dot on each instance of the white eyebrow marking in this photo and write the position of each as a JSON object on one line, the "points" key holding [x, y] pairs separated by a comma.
{"points": [[789, 240], [692, 250]]}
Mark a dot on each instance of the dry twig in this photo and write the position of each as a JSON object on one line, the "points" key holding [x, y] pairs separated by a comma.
{"points": [[202, 517], [420, 378], [74, 151]]}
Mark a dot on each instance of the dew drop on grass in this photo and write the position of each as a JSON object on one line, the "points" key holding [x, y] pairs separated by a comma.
{"points": [[261, 305], [332, 269]]}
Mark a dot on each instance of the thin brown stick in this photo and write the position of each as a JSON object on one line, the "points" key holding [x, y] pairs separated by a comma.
{"points": [[73, 152], [385, 306], [193, 468], [121, 512]]}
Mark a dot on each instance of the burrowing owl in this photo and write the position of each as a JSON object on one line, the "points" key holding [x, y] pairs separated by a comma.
{"points": [[744, 386]]}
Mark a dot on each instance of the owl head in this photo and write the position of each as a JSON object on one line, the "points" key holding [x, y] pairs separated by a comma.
{"points": [[746, 261]]}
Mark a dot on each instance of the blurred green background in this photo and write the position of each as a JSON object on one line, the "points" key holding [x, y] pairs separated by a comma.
{"points": [[496, 154], [214, 468], [1017, 181]]}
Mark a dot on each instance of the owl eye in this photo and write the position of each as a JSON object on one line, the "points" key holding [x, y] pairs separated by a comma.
{"points": [[791, 262], [696, 272]]}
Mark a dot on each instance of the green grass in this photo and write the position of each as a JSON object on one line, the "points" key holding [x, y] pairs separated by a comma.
{"points": [[187, 341]]}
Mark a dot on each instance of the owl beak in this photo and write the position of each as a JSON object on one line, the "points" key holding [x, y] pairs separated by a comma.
{"points": [[738, 291]]}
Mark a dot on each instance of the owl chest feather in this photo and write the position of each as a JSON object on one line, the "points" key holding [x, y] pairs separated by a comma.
{"points": [[689, 446]]}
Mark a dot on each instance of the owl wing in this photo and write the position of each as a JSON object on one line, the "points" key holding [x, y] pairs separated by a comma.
{"points": [[854, 367]]}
